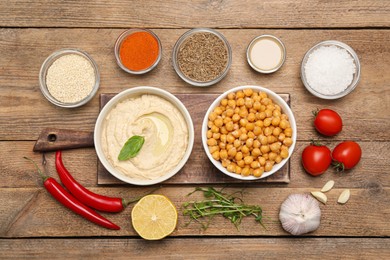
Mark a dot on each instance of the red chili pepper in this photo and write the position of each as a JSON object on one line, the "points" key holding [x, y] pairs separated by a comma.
{"points": [[93, 200], [66, 199]]}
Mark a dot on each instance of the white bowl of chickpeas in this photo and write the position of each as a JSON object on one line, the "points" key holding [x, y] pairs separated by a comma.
{"points": [[249, 132]]}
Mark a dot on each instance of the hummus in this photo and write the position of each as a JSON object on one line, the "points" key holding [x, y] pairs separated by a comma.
{"points": [[159, 122]]}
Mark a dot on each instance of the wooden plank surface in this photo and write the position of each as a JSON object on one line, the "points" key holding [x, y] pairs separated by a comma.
{"points": [[198, 248], [31, 212], [198, 13], [198, 169], [365, 108]]}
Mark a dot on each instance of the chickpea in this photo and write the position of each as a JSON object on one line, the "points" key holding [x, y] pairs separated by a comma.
{"points": [[213, 116], [230, 138], [209, 134], [284, 153], [223, 154], [232, 103], [218, 110], [275, 147], [232, 152], [287, 142], [250, 126], [214, 148], [275, 121], [256, 143], [283, 124], [257, 130], [223, 130], [211, 142], [238, 156], [237, 143], [229, 126], [268, 113], [284, 116], [277, 131], [240, 94], [278, 159], [238, 169], [288, 131], [241, 163], [255, 165], [276, 112], [236, 133], [264, 149], [236, 110], [271, 139], [251, 135], [243, 113], [222, 145], [236, 118], [256, 97], [262, 115], [245, 149], [265, 101], [284, 147], [243, 122], [249, 103], [262, 161], [245, 171], [267, 131], [227, 120], [224, 102], [222, 138], [263, 95], [272, 156], [281, 137], [258, 172], [263, 140], [225, 163], [256, 152], [251, 117], [278, 108], [248, 159], [240, 102], [231, 95], [249, 142], [243, 137], [267, 121], [216, 155], [259, 123], [248, 92], [262, 108], [231, 168], [229, 146], [216, 136], [210, 124], [214, 129], [268, 166], [243, 130], [256, 105], [229, 112]]}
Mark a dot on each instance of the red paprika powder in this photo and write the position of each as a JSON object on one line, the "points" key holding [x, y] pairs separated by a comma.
{"points": [[139, 51]]}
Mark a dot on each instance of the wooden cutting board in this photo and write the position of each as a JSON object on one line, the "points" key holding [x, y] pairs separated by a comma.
{"points": [[198, 169]]}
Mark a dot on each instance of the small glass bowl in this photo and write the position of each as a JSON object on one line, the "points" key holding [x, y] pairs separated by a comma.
{"points": [[176, 49], [49, 61], [356, 75], [118, 44], [254, 41]]}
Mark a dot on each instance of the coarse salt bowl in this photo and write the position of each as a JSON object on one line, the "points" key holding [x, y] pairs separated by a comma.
{"points": [[130, 94], [122, 37], [182, 40], [49, 62], [355, 77], [277, 100]]}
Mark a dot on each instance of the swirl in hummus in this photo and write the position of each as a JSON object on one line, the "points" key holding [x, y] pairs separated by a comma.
{"points": [[159, 122]]}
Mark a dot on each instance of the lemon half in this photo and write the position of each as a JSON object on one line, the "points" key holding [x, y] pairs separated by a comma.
{"points": [[154, 217]]}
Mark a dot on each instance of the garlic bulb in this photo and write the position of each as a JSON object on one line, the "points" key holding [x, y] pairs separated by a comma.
{"points": [[300, 214]]}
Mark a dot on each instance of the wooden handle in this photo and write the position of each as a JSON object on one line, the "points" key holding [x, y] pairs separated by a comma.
{"points": [[52, 139]]}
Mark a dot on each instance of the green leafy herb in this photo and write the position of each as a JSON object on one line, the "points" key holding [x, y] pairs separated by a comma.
{"points": [[218, 203], [131, 148]]}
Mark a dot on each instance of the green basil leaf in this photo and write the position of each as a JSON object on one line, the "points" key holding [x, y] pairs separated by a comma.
{"points": [[131, 148]]}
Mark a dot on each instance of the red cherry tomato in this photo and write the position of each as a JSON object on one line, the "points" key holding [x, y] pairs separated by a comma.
{"points": [[316, 159], [328, 122], [346, 155]]}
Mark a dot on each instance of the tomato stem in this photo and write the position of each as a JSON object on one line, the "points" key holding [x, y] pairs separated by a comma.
{"points": [[315, 112]]}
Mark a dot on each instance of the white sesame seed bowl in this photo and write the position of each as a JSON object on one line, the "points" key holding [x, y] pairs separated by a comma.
{"points": [[277, 100], [330, 70], [69, 78]]}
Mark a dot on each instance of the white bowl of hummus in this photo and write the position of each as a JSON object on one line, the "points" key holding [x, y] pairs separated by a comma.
{"points": [[164, 123], [248, 149]]}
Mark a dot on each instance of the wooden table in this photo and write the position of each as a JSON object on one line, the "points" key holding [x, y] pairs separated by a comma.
{"points": [[34, 225]]}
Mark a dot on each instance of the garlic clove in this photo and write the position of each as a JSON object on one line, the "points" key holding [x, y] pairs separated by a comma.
{"points": [[344, 196], [321, 197], [328, 186], [300, 214]]}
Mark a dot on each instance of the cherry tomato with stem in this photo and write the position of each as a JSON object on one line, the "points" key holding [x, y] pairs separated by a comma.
{"points": [[316, 158], [346, 155], [327, 122]]}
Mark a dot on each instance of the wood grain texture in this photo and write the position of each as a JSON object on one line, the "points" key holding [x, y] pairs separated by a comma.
{"points": [[31, 212], [370, 173], [198, 169], [364, 111], [198, 248], [199, 13]]}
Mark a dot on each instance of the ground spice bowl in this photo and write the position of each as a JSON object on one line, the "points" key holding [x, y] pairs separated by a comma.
{"points": [[49, 61], [356, 75], [176, 49], [119, 42]]}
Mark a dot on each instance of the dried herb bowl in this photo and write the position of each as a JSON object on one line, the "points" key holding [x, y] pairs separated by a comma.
{"points": [[202, 57]]}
